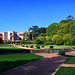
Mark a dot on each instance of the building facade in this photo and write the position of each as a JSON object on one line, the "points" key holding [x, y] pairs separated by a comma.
{"points": [[11, 35]]}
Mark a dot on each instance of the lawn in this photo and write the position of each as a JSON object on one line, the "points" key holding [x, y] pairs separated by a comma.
{"points": [[61, 46], [70, 61], [10, 61], [66, 71], [11, 48]]}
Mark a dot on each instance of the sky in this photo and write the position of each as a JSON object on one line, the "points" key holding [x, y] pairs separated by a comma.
{"points": [[19, 15]]}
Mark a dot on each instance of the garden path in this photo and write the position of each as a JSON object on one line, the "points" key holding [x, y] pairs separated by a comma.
{"points": [[45, 66]]}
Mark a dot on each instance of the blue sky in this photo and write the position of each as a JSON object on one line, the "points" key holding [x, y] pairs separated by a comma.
{"points": [[19, 15]]}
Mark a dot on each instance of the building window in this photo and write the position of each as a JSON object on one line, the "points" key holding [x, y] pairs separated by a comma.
{"points": [[0, 34], [10, 33], [21, 34]]}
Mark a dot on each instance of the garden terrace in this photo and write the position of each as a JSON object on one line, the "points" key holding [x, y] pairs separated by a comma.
{"points": [[7, 50]]}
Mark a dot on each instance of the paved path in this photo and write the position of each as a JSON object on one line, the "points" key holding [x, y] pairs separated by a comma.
{"points": [[68, 65], [45, 66], [71, 53], [27, 48]]}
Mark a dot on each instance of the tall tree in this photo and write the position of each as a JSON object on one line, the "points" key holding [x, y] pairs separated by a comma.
{"points": [[70, 17], [34, 31], [0, 40], [42, 30]]}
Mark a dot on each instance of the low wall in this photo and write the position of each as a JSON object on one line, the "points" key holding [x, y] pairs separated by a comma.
{"points": [[14, 51], [53, 50]]}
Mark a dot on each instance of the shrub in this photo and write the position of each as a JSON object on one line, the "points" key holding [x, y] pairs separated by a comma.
{"points": [[61, 52], [42, 46], [37, 41], [46, 43], [26, 46], [38, 47], [23, 46], [51, 46], [31, 46]]}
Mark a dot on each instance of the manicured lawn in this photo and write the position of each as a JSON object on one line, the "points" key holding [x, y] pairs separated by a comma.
{"points": [[11, 48], [61, 46], [10, 61], [66, 71], [70, 61]]}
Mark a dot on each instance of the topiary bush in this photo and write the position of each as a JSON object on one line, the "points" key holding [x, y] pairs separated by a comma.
{"points": [[51, 46], [61, 52], [31, 46], [26, 46], [38, 47], [42, 46], [23, 46]]}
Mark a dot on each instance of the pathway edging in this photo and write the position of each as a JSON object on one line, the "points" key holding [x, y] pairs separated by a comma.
{"points": [[68, 65]]}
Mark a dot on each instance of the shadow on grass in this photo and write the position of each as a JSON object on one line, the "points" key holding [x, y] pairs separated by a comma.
{"points": [[6, 65]]}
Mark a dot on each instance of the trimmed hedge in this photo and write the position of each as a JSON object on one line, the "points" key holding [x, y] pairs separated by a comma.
{"points": [[51, 46], [31, 46], [38, 47], [42, 46], [47, 43], [61, 52]]}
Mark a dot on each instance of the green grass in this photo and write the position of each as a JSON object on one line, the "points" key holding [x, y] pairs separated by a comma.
{"points": [[66, 71], [11, 48], [61, 46], [70, 61], [10, 61]]}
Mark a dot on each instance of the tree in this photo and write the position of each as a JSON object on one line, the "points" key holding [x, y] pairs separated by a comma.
{"points": [[42, 30], [70, 17], [25, 35], [0, 40], [57, 39], [34, 31], [52, 29], [67, 37], [47, 38]]}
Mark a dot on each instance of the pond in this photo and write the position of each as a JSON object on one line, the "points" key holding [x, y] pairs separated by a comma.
{"points": [[57, 50]]}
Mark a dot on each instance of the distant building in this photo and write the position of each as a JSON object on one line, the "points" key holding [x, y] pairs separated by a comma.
{"points": [[11, 35]]}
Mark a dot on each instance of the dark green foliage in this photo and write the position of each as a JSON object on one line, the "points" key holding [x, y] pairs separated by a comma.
{"points": [[47, 43], [51, 46], [0, 40], [35, 31], [42, 46], [62, 32], [73, 41], [70, 17], [23, 46], [38, 47], [26, 45], [37, 41], [31, 46], [52, 29], [42, 30], [61, 52]]}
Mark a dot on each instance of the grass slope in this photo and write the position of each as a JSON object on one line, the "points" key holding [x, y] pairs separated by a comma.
{"points": [[10, 61]]}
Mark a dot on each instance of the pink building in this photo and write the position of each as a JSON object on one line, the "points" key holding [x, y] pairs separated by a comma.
{"points": [[11, 35]]}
